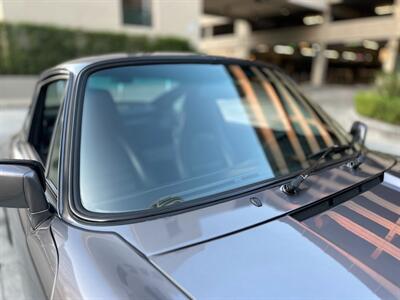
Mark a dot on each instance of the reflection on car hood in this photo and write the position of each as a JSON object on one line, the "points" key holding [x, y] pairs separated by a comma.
{"points": [[238, 250], [351, 251], [215, 221]]}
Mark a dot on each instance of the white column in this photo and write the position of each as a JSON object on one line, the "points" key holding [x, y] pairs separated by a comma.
{"points": [[208, 31], [390, 57], [243, 33], [319, 66], [392, 46]]}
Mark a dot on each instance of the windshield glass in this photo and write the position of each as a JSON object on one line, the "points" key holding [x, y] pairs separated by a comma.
{"points": [[157, 135]]}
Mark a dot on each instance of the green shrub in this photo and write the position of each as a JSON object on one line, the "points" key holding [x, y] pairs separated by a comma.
{"points": [[376, 105], [388, 85], [30, 49]]}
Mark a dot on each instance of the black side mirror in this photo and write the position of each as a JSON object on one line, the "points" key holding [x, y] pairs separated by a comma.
{"points": [[22, 185], [359, 132]]}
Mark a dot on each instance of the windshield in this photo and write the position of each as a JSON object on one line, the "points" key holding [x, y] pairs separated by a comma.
{"points": [[157, 135]]}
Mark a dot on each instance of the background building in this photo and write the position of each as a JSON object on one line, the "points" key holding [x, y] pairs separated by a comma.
{"points": [[150, 17], [333, 41], [351, 38]]}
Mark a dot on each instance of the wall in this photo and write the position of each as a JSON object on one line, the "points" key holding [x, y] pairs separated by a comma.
{"points": [[170, 17], [73, 13], [178, 17], [1, 11]]}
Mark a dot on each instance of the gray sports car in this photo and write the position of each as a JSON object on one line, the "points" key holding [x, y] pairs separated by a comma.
{"points": [[171, 176]]}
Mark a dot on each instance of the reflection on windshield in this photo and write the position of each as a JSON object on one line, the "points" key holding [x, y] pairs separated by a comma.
{"points": [[155, 133]]}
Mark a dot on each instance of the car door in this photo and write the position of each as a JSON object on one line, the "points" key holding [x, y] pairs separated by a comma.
{"points": [[36, 250]]}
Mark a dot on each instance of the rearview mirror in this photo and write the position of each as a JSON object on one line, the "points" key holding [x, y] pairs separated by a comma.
{"points": [[359, 132], [22, 185]]}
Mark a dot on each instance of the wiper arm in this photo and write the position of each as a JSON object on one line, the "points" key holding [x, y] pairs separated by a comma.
{"points": [[292, 187]]}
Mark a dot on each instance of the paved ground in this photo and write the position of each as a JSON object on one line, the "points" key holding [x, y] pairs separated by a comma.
{"points": [[10, 281], [15, 95], [11, 120], [19, 89], [338, 102]]}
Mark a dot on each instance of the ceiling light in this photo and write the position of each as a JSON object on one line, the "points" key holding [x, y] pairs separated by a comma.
{"points": [[384, 9], [313, 20], [331, 54], [349, 55], [307, 51], [283, 49], [371, 45], [353, 44], [315, 5]]}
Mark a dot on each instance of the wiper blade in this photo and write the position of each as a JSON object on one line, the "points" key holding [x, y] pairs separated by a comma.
{"points": [[167, 201], [332, 150], [293, 186]]}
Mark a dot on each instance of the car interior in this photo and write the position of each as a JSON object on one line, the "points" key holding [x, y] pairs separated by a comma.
{"points": [[148, 139], [168, 142], [47, 109]]}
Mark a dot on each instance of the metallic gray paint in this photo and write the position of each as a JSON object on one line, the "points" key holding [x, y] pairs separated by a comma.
{"points": [[12, 186], [231, 249], [44, 255], [289, 259], [275, 259], [220, 219], [95, 265]]}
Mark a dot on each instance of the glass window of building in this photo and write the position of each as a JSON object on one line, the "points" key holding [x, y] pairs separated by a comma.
{"points": [[136, 12]]}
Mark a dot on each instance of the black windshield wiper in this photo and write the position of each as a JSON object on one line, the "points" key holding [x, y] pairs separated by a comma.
{"points": [[331, 150], [292, 187]]}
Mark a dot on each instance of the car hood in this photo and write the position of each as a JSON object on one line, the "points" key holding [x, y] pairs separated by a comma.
{"points": [[338, 238], [350, 251], [227, 217]]}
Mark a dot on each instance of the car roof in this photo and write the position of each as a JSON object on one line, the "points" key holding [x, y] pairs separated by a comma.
{"points": [[76, 65]]}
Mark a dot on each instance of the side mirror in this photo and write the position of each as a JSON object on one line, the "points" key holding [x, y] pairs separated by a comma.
{"points": [[359, 132], [22, 185]]}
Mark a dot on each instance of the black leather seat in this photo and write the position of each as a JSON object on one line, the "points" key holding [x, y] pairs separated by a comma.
{"points": [[201, 140], [107, 159]]}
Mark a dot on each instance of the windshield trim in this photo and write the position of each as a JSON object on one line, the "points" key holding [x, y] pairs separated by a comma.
{"points": [[83, 215]]}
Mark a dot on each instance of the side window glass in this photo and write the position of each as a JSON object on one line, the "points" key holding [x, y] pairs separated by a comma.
{"points": [[50, 99], [54, 157]]}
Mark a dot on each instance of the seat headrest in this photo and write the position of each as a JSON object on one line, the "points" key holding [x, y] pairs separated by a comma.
{"points": [[100, 102]]}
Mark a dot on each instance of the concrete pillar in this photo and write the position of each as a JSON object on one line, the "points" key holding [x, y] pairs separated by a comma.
{"points": [[208, 32], [319, 66], [390, 52], [243, 33], [390, 57]]}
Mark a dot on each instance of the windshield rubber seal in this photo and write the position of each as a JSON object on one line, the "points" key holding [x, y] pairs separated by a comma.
{"points": [[83, 215]]}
